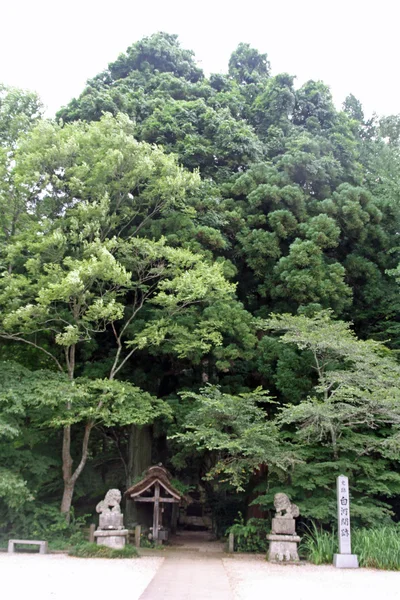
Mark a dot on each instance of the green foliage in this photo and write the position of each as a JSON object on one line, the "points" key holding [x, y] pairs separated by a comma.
{"points": [[234, 432], [42, 520], [250, 536], [13, 488], [247, 65], [19, 111], [88, 550], [160, 52], [60, 402]]}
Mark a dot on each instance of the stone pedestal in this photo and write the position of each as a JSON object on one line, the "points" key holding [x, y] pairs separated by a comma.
{"points": [[345, 561], [113, 538], [284, 525], [283, 539], [283, 548], [111, 520]]}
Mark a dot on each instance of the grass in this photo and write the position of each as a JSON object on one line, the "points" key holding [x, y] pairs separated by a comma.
{"points": [[377, 548], [318, 546], [90, 550]]}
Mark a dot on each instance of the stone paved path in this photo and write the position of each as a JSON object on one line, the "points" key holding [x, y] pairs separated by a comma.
{"points": [[185, 576]]}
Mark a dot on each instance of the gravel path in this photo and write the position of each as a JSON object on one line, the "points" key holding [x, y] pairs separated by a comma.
{"points": [[61, 577], [187, 576], [253, 578]]}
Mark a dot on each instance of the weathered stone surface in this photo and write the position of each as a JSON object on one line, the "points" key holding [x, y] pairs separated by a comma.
{"points": [[110, 511], [111, 520], [111, 501], [43, 547], [283, 504], [345, 559], [112, 539], [118, 533], [284, 525], [282, 538], [283, 548]]}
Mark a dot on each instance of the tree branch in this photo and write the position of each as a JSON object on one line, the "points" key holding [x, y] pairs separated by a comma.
{"points": [[20, 339], [85, 448]]}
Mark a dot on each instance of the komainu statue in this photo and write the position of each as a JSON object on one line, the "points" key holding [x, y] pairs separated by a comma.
{"points": [[283, 539], [110, 511], [111, 502], [283, 504]]}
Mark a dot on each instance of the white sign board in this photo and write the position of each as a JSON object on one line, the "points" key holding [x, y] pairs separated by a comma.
{"points": [[343, 515]]}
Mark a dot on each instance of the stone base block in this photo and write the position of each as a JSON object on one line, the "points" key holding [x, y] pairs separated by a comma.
{"points": [[345, 561], [112, 539], [283, 548], [111, 520], [282, 525]]}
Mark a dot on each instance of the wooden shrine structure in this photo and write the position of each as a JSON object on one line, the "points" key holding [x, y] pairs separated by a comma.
{"points": [[156, 488]]}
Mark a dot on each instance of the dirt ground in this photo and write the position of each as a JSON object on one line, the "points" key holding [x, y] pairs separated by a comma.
{"points": [[254, 578], [60, 577]]}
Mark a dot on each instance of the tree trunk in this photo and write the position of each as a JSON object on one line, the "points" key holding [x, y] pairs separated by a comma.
{"points": [[139, 451], [258, 477], [139, 459], [67, 473], [66, 501], [69, 476]]}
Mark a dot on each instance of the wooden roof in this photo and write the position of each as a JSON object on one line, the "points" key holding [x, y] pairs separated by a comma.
{"points": [[153, 475]]}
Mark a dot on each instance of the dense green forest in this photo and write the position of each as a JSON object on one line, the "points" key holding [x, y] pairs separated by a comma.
{"points": [[203, 272]]}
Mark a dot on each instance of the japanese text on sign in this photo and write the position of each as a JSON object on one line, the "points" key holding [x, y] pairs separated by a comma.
{"points": [[343, 515]]}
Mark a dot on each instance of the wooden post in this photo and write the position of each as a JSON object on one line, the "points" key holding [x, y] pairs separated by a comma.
{"points": [[174, 517], [91, 532], [231, 543], [137, 535], [156, 514]]}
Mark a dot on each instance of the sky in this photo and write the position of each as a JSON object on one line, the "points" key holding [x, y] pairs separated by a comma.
{"points": [[53, 47]]}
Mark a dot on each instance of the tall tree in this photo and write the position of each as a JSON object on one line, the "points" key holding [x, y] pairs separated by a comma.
{"points": [[84, 268], [349, 422]]}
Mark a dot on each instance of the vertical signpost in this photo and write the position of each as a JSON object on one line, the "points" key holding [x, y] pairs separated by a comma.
{"points": [[345, 559]]}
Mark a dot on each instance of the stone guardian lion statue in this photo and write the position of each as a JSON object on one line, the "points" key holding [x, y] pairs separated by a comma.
{"points": [[283, 504], [111, 502]]}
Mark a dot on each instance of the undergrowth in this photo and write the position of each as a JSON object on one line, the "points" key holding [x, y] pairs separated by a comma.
{"points": [[250, 536], [91, 550], [43, 522], [377, 548]]}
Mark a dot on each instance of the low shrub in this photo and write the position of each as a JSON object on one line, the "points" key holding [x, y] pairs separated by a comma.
{"points": [[44, 522], [250, 536], [378, 547], [145, 542], [90, 550]]}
